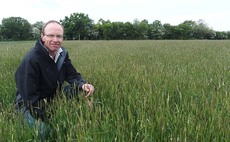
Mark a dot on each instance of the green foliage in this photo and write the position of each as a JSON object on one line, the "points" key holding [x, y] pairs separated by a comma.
{"points": [[202, 31], [77, 26], [36, 29], [144, 91], [156, 30], [15, 28], [170, 32], [186, 29]]}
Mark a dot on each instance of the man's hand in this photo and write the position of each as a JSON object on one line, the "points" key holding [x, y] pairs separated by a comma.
{"points": [[88, 88]]}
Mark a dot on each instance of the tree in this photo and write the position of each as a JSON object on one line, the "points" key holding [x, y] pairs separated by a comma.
{"points": [[155, 30], [221, 35], [170, 32], [36, 29], [77, 26], [228, 34], [202, 31], [1, 32], [35, 32], [15, 28], [128, 31], [118, 30], [105, 29], [140, 29], [186, 29], [143, 28]]}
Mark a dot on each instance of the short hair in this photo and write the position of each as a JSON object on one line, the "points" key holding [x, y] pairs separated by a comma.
{"points": [[51, 21]]}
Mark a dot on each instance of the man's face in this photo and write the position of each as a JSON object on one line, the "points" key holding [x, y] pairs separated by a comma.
{"points": [[52, 37]]}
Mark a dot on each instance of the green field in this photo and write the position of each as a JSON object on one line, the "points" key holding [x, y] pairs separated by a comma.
{"points": [[144, 91]]}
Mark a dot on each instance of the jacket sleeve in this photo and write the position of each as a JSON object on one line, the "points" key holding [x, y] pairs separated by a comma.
{"points": [[27, 81], [71, 75]]}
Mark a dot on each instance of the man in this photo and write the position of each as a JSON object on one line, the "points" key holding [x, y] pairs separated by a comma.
{"points": [[43, 70]]}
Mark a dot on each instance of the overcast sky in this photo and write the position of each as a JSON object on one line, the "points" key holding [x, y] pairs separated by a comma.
{"points": [[215, 13]]}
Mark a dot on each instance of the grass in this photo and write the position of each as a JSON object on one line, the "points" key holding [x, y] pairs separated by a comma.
{"points": [[144, 91]]}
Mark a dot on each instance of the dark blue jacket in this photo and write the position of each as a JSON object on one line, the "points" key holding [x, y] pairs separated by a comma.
{"points": [[38, 77]]}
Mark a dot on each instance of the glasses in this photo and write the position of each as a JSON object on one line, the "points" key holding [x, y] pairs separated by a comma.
{"points": [[53, 36]]}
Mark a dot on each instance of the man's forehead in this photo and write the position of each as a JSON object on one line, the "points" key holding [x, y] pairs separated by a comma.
{"points": [[53, 26]]}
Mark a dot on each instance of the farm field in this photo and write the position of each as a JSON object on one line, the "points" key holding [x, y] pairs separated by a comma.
{"points": [[147, 90]]}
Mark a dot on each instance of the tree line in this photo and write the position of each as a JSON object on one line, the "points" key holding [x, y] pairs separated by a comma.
{"points": [[78, 26]]}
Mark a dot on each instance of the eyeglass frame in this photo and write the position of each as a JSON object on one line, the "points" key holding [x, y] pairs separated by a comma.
{"points": [[52, 36]]}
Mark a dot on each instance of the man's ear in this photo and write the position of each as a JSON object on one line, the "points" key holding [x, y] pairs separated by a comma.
{"points": [[42, 36]]}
